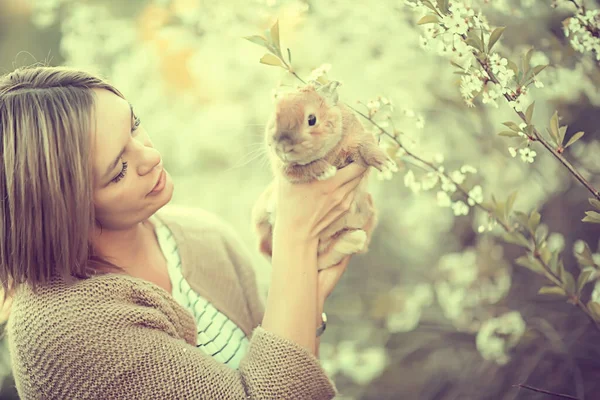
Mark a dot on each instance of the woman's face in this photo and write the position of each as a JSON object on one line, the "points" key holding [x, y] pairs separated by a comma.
{"points": [[126, 166]]}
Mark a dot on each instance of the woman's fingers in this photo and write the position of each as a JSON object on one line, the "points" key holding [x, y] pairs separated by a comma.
{"points": [[345, 179], [349, 172], [329, 277], [336, 212]]}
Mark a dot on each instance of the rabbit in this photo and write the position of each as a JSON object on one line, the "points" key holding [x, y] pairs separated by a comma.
{"points": [[310, 135]]}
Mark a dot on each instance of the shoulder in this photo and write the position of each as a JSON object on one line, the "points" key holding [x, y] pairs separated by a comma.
{"points": [[193, 219]]}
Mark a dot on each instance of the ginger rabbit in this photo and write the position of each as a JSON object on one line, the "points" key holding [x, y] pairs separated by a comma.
{"points": [[310, 135]]}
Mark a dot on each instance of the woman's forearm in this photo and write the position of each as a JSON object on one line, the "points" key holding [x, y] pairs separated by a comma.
{"points": [[291, 306]]}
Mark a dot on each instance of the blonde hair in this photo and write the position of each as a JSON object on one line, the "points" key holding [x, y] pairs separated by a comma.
{"points": [[46, 181]]}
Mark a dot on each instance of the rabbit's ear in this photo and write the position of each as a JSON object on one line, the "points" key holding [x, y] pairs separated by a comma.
{"points": [[329, 92]]}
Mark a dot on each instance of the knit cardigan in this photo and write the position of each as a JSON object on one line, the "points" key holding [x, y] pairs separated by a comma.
{"points": [[114, 336]]}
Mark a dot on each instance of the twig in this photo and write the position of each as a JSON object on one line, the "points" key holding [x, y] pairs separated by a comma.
{"points": [[538, 135], [546, 329], [564, 396], [410, 154], [572, 296]]}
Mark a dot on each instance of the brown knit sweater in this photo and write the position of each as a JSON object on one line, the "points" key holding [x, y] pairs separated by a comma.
{"points": [[114, 336]]}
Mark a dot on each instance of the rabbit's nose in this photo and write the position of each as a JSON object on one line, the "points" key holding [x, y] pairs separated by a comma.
{"points": [[284, 138]]}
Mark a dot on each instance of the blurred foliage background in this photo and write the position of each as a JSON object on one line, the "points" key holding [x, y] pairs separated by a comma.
{"points": [[436, 309]]}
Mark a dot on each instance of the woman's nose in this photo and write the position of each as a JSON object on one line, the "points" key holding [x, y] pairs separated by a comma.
{"points": [[149, 157]]}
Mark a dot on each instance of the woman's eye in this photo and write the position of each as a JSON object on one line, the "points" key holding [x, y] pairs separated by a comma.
{"points": [[136, 124], [312, 120], [121, 174]]}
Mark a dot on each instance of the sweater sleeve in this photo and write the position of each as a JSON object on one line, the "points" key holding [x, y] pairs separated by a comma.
{"points": [[124, 340], [156, 365]]}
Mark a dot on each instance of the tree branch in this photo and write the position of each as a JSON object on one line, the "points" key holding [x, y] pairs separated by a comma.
{"points": [[534, 389]]}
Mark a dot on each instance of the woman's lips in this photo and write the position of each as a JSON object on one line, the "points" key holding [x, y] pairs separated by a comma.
{"points": [[160, 184]]}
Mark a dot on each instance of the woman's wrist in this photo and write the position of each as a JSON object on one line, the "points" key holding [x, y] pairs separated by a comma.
{"points": [[291, 238]]}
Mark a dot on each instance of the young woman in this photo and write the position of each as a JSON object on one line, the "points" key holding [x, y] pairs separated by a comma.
{"points": [[118, 295]]}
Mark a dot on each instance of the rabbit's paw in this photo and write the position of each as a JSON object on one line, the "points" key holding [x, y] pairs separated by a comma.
{"points": [[387, 170], [351, 242], [328, 173]]}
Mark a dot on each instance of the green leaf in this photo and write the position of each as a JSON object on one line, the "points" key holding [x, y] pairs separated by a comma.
{"points": [[443, 6], [259, 40], [522, 218], [275, 34], [552, 290], [545, 255], [516, 238], [560, 270], [510, 201], [512, 126], [529, 113], [474, 40], [554, 127], [585, 258], [474, 43], [428, 19], [534, 221], [508, 133], [591, 216], [569, 282], [595, 203], [430, 5], [457, 65], [499, 212], [583, 278], [574, 138], [487, 205], [514, 67], [553, 263], [537, 69], [530, 264], [540, 235], [289, 55], [527, 61], [594, 308], [496, 34], [271, 59], [561, 133]]}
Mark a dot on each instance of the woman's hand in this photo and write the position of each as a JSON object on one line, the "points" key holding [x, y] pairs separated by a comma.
{"points": [[305, 209], [328, 278]]}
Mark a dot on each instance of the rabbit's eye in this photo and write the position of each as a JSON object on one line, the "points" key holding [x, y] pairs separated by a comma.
{"points": [[312, 120]]}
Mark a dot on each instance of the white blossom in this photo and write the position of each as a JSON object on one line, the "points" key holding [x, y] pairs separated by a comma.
{"points": [[475, 195], [527, 155], [443, 199], [448, 185], [458, 177], [429, 181], [465, 169], [411, 183], [460, 208], [420, 123], [497, 336]]}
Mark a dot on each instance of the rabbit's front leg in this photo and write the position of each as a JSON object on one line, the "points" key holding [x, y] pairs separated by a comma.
{"points": [[318, 169], [262, 221], [375, 156]]}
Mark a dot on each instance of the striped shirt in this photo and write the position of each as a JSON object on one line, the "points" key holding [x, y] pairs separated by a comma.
{"points": [[217, 336]]}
